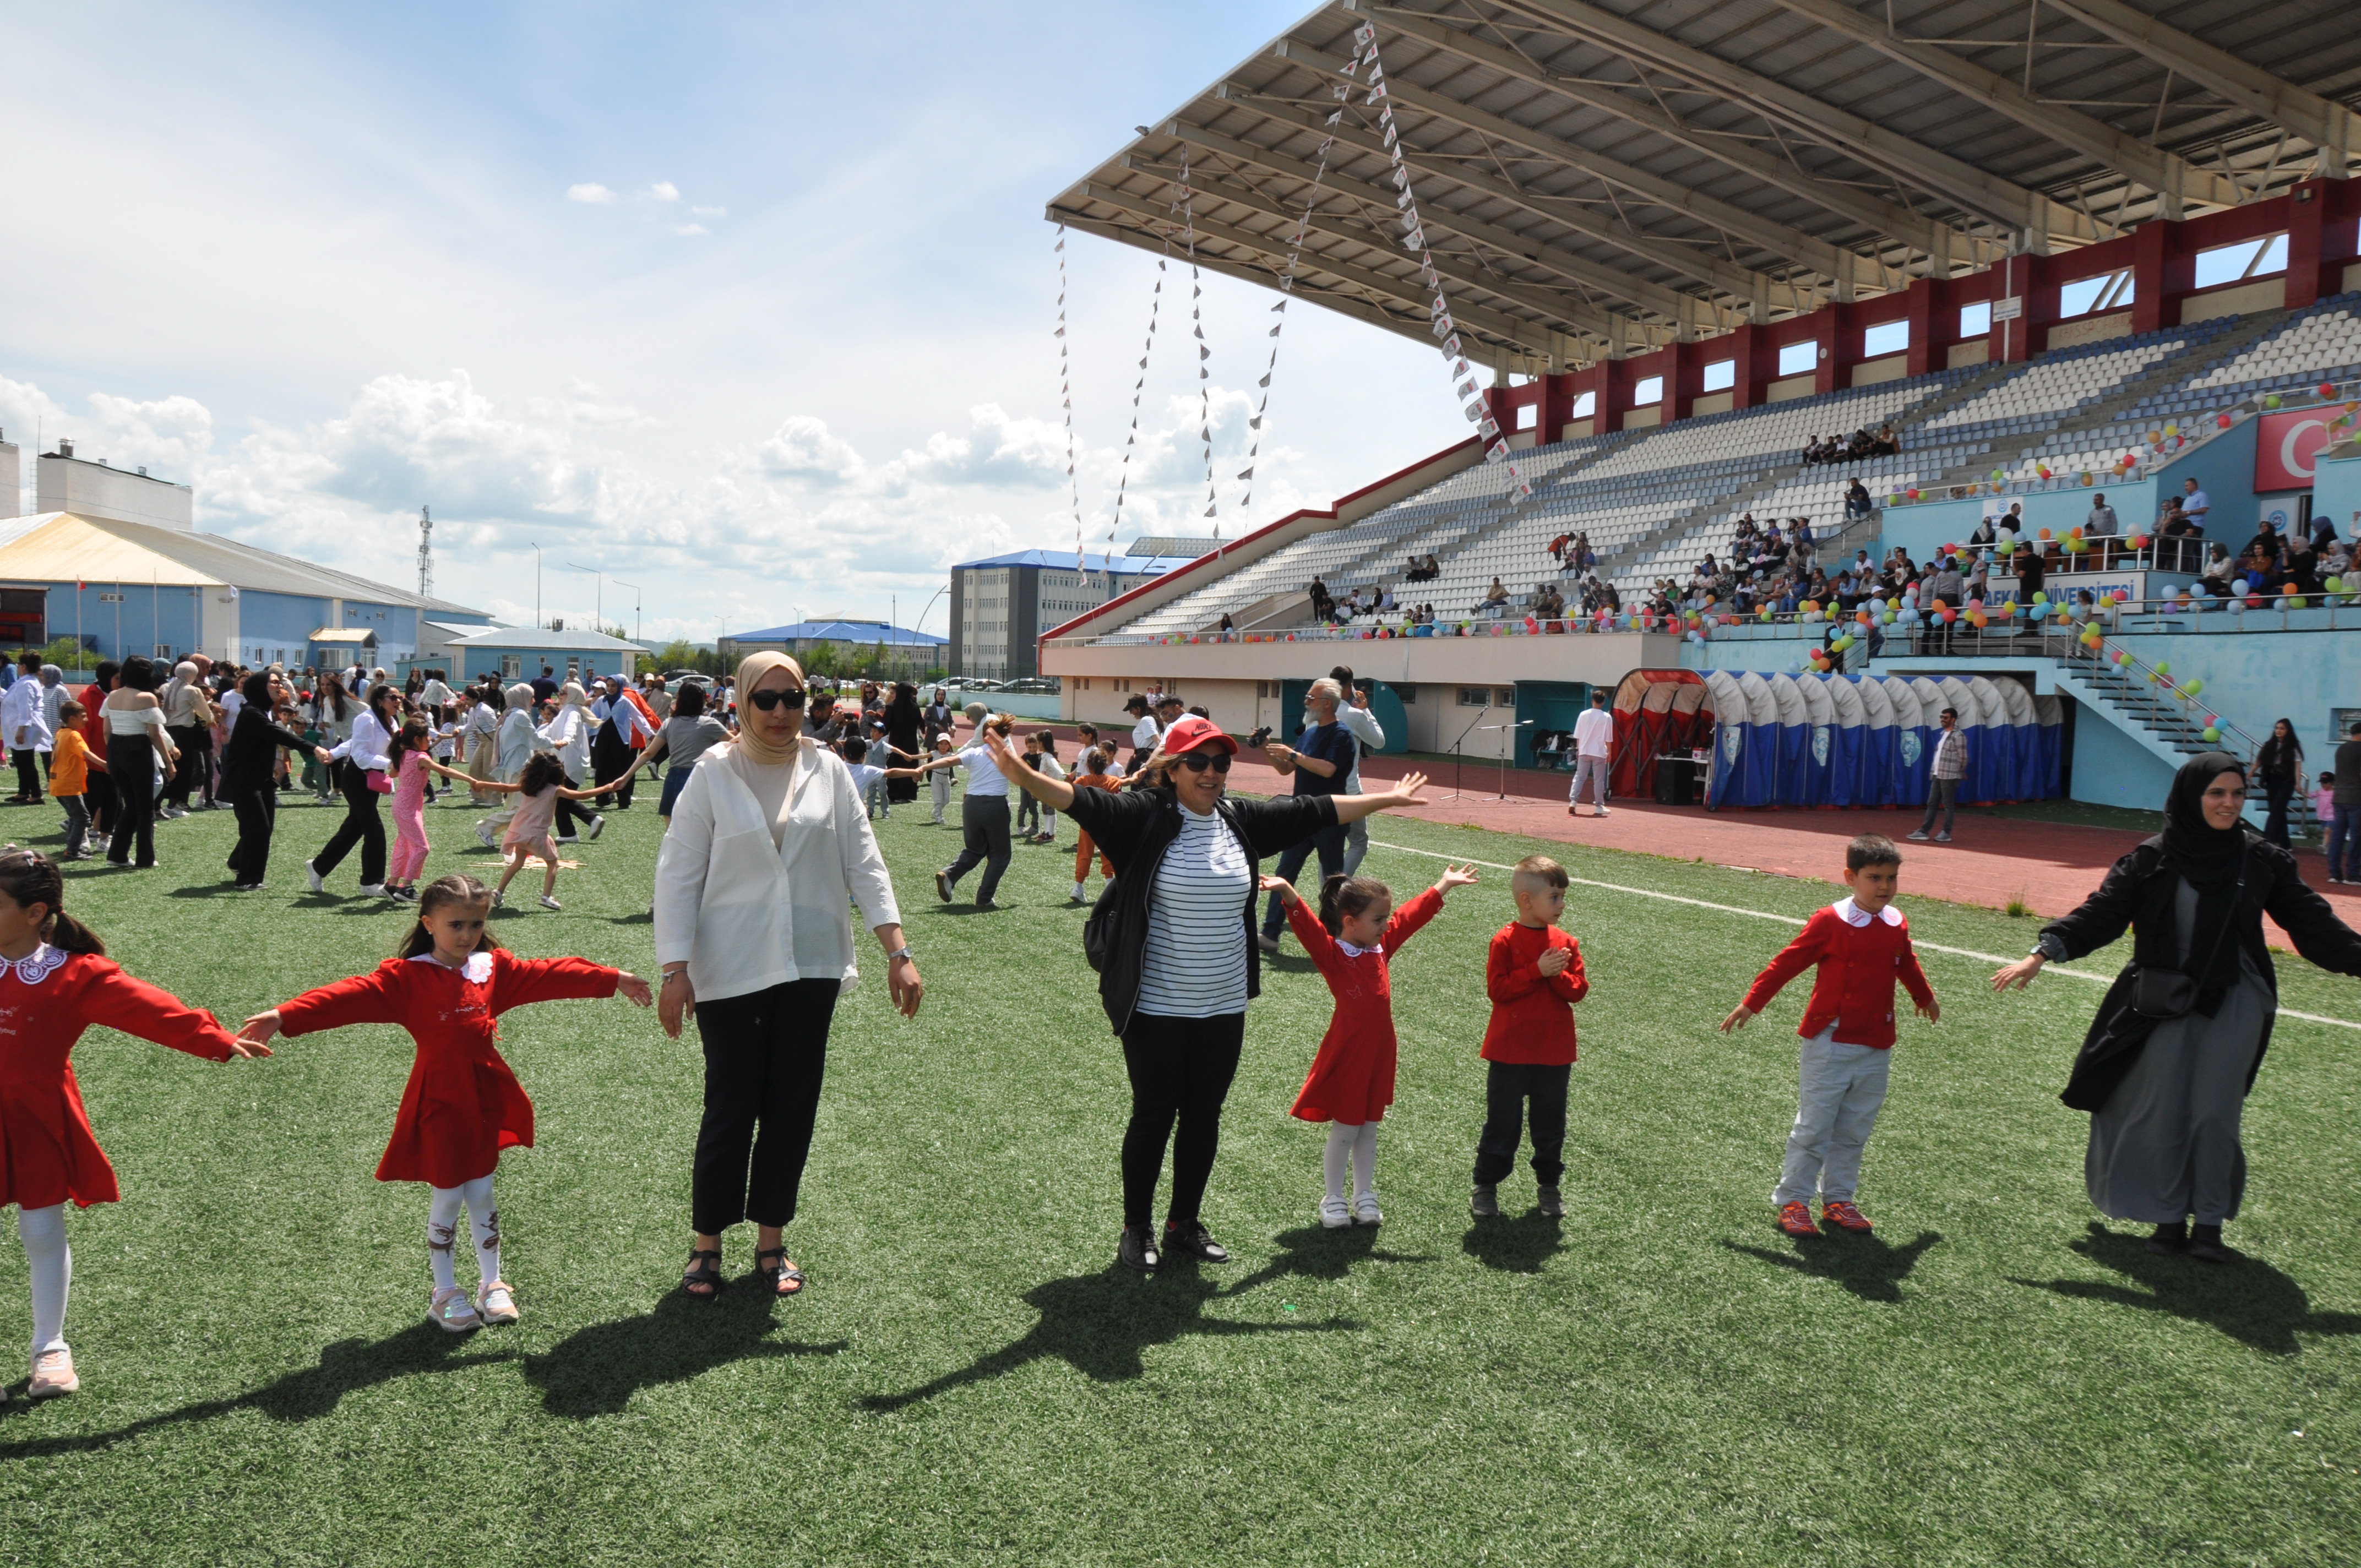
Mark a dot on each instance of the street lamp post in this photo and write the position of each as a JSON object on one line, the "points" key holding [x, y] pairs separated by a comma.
{"points": [[635, 605]]}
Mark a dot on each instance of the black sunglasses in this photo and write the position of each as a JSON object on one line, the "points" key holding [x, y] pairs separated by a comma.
{"points": [[1197, 761], [767, 700]]}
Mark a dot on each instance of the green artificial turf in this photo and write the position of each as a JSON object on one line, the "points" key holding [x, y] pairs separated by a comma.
{"points": [[1994, 1377]]}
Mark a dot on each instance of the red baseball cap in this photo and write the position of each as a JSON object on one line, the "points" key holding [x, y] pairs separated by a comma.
{"points": [[1194, 734]]}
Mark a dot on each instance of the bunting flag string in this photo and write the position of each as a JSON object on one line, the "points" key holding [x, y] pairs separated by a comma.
{"points": [[1495, 446], [1197, 322], [1286, 287], [1066, 392], [1131, 441]]}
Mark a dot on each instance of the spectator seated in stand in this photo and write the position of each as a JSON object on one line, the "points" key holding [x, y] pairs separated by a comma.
{"points": [[2215, 580], [1889, 442], [1495, 600], [1857, 503]]}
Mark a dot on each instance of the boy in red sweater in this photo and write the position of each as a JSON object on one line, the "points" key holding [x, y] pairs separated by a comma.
{"points": [[1862, 945], [1533, 974]]}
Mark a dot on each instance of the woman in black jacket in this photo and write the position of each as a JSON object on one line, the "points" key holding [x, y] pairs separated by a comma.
{"points": [[2167, 1065], [247, 781], [1173, 942], [2279, 768]]}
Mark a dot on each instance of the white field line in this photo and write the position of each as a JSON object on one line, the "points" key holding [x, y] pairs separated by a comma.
{"points": [[1791, 920]]}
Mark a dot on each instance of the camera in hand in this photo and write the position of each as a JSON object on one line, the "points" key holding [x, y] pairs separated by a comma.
{"points": [[1260, 738]]}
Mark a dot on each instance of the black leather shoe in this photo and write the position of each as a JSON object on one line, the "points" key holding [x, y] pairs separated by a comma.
{"points": [[2205, 1244], [1138, 1250], [1196, 1240], [2169, 1241]]}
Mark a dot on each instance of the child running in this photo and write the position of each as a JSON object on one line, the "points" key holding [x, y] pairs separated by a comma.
{"points": [[539, 789], [56, 981], [1862, 945], [1352, 1077], [1094, 775], [1533, 975], [70, 778], [939, 782], [447, 984], [409, 759]]}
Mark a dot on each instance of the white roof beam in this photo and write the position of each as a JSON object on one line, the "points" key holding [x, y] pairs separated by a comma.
{"points": [[2326, 125], [2126, 154]]}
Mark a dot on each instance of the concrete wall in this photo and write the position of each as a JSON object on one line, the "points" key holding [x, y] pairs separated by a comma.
{"points": [[2111, 769], [93, 489], [2336, 493]]}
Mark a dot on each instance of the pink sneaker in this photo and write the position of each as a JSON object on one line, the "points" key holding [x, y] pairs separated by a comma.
{"points": [[453, 1312], [495, 1304], [53, 1373]]}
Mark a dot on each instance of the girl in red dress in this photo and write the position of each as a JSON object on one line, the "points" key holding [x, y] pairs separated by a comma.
{"points": [[1352, 1077], [463, 1105], [56, 981]]}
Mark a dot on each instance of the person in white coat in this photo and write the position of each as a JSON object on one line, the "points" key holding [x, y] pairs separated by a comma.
{"points": [[1363, 726], [27, 732], [568, 735], [513, 744], [1594, 751], [768, 843]]}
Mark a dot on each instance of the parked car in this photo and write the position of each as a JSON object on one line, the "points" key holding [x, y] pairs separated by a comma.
{"points": [[1038, 685]]}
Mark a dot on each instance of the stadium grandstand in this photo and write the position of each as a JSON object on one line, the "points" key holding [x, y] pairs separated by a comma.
{"points": [[2070, 303]]}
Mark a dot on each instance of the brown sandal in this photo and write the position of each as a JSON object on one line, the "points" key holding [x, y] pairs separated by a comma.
{"points": [[785, 1278], [703, 1277]]}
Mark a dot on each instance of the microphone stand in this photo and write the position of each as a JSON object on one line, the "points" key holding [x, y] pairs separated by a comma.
{"points": [[1459, 762], [1520, 724]]}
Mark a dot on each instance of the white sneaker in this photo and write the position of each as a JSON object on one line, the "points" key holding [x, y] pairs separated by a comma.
{"points": [[1365, 1210], [484, 837], [372, 890], [1335, 1214], [53, 1373], [319, 884], [172, 814], [1079, 895], [453, 1312], [598, 826], [1602, 811], [549, 903], [500, 900], [495, 1303]]}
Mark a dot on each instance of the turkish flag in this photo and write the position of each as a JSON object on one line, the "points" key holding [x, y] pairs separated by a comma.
{"points": [[2287, 446]]}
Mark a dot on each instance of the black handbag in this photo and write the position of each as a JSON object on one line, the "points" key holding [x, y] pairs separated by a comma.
{"points": [[2164, 994]]}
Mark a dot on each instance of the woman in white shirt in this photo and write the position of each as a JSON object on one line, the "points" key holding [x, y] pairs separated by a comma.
{"points": [[983, 812], [768, 842], [568, 735], [360, 754], [134, 739]]}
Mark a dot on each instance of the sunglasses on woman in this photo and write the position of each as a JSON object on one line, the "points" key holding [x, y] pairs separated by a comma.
{"points": [[1197, 761], [768, 700]]}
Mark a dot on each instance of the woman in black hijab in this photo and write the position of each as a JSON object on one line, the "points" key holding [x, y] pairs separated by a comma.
{"points": [[2167, 1065], [2279, 768], [902, 733]]}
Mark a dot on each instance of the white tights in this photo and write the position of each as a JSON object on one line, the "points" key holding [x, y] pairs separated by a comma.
{"points": [[443, 1231], [43, 1231], [1359, 1145]]}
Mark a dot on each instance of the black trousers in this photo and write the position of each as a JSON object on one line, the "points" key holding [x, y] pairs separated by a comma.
{"points": [[612, 760], [29, 774], [131, 763], [187, 774], [571, 818], [983, 829], [1330, 844], [361, 826], [2278, 792], [257, 813], [764, 1054], [99, 795], [1507, 1087], [1180, 1070]]}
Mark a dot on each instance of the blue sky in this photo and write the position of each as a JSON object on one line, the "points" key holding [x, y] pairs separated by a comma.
{"points": [[750, 307]]}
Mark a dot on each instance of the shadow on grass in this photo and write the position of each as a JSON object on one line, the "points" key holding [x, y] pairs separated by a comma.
{"points": [[1101, 1325], [644, 917], [2248, 1299], [1519, 1245], [1865, 1265], [346, 1367], [1315, 1252], [209, 890], [966, 909], [595, 1371]]}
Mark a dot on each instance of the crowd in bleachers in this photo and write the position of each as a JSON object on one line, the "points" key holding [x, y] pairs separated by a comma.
{"points": [[1859, 444]]}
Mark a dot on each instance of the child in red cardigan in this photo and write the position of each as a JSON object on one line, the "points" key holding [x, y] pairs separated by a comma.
{"points": [[56, 981], [1862, 945], [1533, 975], [461, 1106], [1352, 1077]]}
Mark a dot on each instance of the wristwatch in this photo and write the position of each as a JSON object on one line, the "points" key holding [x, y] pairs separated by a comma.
{"points": [[901, 952]]}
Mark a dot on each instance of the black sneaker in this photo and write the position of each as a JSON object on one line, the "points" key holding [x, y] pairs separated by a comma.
{"points": [[2205, 1244], [1138, 1250], [1552, 1204], [1485, 1202], [1195, 1240], [2169, 1241]]}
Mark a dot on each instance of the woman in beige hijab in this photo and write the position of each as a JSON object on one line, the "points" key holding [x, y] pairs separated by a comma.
{"points": [[768, 842]]}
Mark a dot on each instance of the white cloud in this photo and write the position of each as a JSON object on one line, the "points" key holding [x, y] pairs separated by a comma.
{"points": [[690, 229], [710, 212], [592, 193], [665, 190]]}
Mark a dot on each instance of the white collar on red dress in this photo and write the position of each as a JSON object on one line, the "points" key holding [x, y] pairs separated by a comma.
{"points": [[478, 966], [1854, 915], [36, 966], [1354, 949]]}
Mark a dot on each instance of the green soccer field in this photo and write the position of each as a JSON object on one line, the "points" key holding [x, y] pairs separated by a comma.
{"points": [[1659, 1378]]}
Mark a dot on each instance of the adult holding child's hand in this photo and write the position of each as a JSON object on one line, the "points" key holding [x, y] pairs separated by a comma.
{"points": [[1178, 962], [769, 840]]}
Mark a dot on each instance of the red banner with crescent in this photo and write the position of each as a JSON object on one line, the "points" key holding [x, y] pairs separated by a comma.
{"points": [[2287, 446]]}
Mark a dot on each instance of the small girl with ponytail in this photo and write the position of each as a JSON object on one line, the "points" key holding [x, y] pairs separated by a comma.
{"points": [[1352, 1077], [55, 981], [531, 831], [408, 760], [447, 985]]}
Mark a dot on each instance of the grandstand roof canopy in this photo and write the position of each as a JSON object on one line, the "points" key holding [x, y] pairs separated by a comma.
{"points": [[1589, 173], [841, 630]]}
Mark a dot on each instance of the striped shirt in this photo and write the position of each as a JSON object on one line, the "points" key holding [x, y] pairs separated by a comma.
{"points": [[1195, 966]]}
